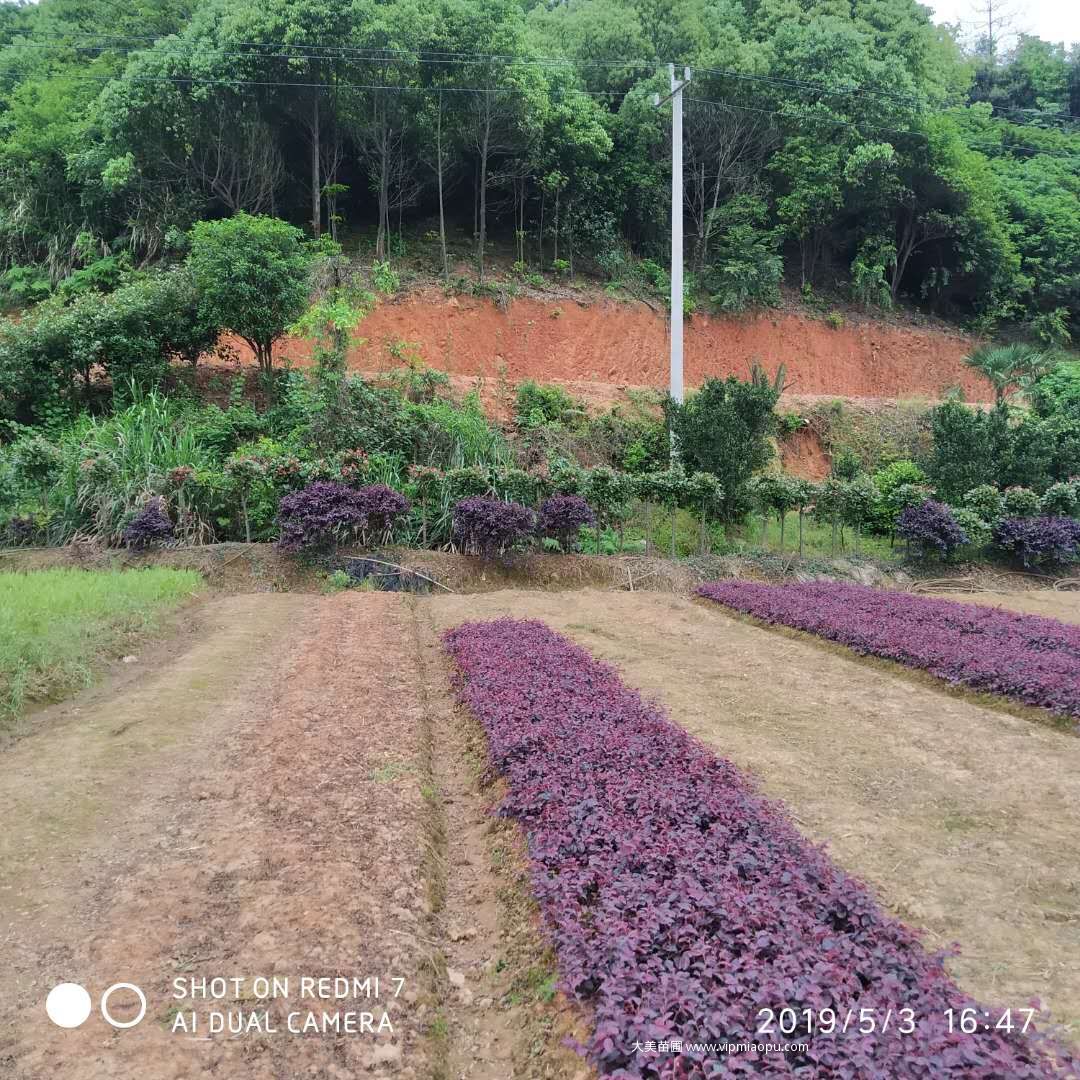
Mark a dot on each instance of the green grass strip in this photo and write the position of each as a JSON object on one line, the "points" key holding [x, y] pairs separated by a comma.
{"points": [[58, 626]]}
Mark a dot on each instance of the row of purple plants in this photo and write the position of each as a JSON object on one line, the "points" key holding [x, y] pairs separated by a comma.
{"points": [[1033, 660], [682, 904]]}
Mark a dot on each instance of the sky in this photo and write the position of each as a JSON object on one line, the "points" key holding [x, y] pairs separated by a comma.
{"points": [[1052, 20]]}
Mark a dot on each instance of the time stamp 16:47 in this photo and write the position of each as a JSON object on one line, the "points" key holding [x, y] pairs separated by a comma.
{"points": [[868, 1021]]}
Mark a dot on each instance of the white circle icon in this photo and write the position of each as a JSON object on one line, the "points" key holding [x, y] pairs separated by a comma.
{"points": [[123, 986], [68, 1005]]}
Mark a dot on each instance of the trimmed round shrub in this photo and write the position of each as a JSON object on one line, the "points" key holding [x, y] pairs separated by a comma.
{"points": [[979, 532], [381, 507], [319, 516], [1020, 502], [151, 525], [986, 501], [562, 517], [1061, 499], [491, 527], [1036, 540], [930, 526]]}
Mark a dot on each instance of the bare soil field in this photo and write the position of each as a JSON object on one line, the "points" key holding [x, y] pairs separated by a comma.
{"points": [[263, 804], [963, 818], [292, 792]]}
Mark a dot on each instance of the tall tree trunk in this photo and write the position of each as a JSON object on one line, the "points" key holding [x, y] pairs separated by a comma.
{"points": [[710, 217], [555, 257], [442, 208], [483, 188], [904, 247], [316, 164], [570, 235], [540, 233]]}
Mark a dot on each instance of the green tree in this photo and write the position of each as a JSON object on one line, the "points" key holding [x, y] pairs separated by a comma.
{"points": [[1009, 368], [724, 429], [252, 274]]}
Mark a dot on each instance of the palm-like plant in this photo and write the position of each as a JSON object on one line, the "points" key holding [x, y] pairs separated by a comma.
{"points": [[1010, 368]]}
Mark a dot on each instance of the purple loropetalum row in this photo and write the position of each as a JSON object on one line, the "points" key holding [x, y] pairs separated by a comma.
{"points": [[684, 906], [1031, 659]]}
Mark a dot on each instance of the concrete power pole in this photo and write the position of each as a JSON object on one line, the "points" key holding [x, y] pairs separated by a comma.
{"points": [[675, 97]]}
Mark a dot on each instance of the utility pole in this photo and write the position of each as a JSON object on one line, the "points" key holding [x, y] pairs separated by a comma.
{"points": [[676, 320], [675, 97]]}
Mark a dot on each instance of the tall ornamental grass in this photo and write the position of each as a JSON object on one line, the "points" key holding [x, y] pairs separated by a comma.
{"points": [[111, 467]]}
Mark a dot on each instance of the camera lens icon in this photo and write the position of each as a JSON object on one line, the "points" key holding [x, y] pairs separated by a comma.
{"points": [[68, 1005]]}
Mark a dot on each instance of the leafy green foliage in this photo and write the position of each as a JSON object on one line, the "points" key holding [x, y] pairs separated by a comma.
{"points": [[959, 194], [252, 278], [47, 360], [724, 430], [889, 481], [536, 405], [1009, 368], [746, 266]]}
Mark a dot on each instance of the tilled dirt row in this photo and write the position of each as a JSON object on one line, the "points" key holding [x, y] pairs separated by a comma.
{"points": [[263, 819], [293, 797]]}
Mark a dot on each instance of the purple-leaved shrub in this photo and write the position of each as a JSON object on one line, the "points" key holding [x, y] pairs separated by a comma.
{"points": [[930, 526], [1032, 659], [1036, 540], [562, 517], [151, 525], [325, 513], [491, 527], [681, 903], [382, 507]]}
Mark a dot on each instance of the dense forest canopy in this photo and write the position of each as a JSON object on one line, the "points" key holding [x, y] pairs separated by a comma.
{"points": [[827, 142]]}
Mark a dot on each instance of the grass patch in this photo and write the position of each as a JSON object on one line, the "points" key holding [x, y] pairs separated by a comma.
{"points": [[57, 626]]}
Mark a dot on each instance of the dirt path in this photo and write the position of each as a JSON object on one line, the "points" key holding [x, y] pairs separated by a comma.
{"points": [[1051, 603], [250, 810], [292, 795], [964, 818]]}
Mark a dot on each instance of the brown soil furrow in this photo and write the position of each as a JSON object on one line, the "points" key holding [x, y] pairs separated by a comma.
{"points": [[263, 817]]}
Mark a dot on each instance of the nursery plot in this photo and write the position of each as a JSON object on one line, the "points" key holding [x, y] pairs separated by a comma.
{"points": [[1026, 658], [285, 796], [1050, 603], [963, 818]]}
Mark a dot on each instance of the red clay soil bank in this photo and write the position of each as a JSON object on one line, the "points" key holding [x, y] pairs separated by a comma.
{"points": [[625, 344]]}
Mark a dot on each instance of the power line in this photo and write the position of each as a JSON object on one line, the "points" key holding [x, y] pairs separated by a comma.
{"points": [[892, 131], [306, 50], [184, 80], [512, 61], [449, 57]]}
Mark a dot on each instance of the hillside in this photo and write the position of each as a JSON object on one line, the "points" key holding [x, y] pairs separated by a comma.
{"points": [[599, 347]]}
